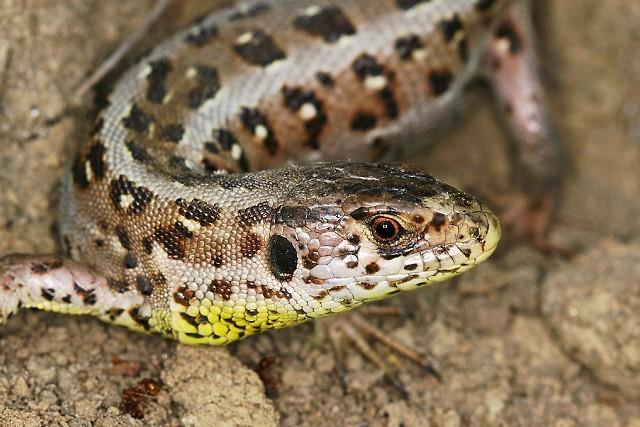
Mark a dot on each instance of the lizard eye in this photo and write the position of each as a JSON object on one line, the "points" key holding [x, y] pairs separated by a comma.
{"points": [[385, 229]]}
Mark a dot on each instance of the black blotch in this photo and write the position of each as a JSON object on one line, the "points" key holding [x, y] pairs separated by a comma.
{"points": [[137, 152], [507, 30], [130, 260], [172, 132], [137, 317], [408, 4], [440, 80], [366, 65], [329, 23], [260, 50], [143, 284], [211, 147], [147, 245], [123, 236], [485, 4], [141, 195], [137, 120], [450, 27], [66, 299], [363, 121], [466, 252], [463, 49], [405, 46], [156, 80], [359, 214], [96, 160], [283, 257], [207, 87], [389, 101], [79, 172], [438, 220], [260, 213], [199, 210], [48, 294], [202, 35], [294, 99], [172, 242], [225, 138], [411, 267], [372, 268], [251, 119], [325, 79]]}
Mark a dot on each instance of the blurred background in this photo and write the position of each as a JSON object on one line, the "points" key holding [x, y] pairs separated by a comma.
{"points": [[524, 340]]}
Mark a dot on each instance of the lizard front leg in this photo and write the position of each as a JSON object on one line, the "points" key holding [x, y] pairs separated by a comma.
{"points": [[53, 283]]}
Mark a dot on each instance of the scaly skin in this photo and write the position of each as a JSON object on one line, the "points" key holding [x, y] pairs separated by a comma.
{"points": [[169, 236]]}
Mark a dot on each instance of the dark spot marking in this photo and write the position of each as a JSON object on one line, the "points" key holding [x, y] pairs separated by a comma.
{"points": [[202, 35], [251, 119], [172, 241], [137, 120], [389, 101], [372, 268], [88, 296], [172, 132], [96, 160], [207, 87], [130, 261], [99, 243], [325, 79], [294, 99], [466, 252], [450, 27], [353, 238], [225, 138], [123, 236], [440, 80], [79, 172], [507, 31], [141, 195], [365, 66], [329, 23], [222, 288], [438, 220], [408, 4], [137, 317], [66, 299], [156, 80], [119, 286], [411, 267], [352, 264], [463, 49], [363, 121], [261, 49], [250, 245], [199, 210], [283, 257], [218, 261], [484, 5], [38, 268], [292, 216], [147, 245], [211, 147], [183, 295], [405, 46], [137, 152], [260, 213], [143, 284], [48, 294]]}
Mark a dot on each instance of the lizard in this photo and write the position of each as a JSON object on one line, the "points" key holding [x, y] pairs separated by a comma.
{"points": [[212, 200]]}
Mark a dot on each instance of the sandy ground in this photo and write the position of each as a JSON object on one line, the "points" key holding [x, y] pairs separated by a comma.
{"points": [[525, 340]]}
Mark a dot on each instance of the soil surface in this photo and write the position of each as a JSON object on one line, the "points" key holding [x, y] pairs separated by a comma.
{"points": [[524, 340]]}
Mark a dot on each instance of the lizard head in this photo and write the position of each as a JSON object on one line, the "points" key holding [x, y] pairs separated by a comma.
{"points": [[353, 232]]}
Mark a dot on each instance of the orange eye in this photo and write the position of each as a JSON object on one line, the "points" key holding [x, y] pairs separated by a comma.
{"points": [[385, 229]]}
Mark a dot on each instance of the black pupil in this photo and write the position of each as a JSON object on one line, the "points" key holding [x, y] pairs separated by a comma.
{"points": [[385, 230]]}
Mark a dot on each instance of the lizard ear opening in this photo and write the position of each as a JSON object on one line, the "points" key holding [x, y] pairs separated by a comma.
{"points": [[283, 257]]}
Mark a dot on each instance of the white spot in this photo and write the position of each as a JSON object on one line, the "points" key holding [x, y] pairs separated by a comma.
{"points": [[503, 45], [190, 224], [236, 152], [312, 10], [144, 72], [126, 200], [245, 38], [419, 54], [261, 132], [191, 72], [375, 82], [88, 171], [308, 111]]}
